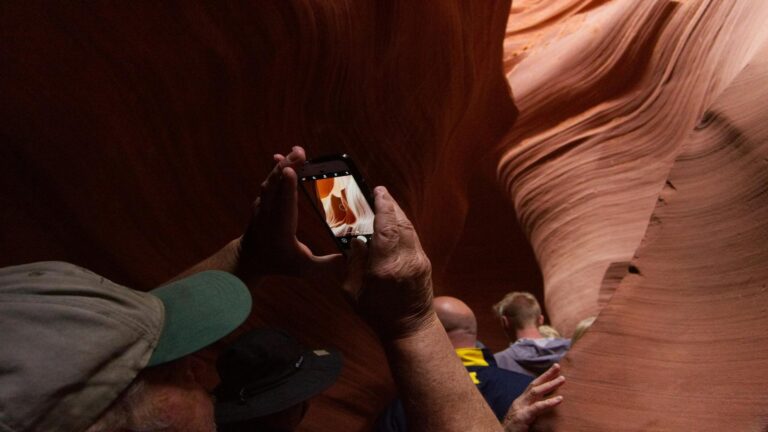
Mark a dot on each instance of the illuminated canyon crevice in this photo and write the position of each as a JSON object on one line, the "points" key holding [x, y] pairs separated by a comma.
{"points": [[621, 134], [682, 343], [606, 100], [658, 143]]}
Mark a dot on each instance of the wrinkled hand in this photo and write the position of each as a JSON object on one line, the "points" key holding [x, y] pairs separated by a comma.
{"points": [[529, 405], [389, 279], [269, 245]]}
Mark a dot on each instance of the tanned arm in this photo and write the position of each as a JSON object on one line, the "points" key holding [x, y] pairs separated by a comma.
{"points": [[395, 298]]}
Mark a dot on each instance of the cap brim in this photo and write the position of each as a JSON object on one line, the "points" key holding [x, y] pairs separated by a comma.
{"points": [[318, 372], [199, 310]]}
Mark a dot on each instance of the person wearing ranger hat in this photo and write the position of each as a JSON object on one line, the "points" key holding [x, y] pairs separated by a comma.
{"points": [[267, 379]]}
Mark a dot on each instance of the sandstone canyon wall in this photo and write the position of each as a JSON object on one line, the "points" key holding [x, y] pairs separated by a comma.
{"points": [[632, 143], [640, 151], [135, 136]]}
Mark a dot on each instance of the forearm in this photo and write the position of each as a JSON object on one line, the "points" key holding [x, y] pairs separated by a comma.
{"points": [[225, 259], [435, 388]]}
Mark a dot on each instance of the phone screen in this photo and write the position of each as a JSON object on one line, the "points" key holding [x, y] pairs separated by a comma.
{"points": [[343, 204]]}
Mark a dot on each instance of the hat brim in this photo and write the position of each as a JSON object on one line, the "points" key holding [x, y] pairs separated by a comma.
{"points": [[199, 310], [318, 372]]}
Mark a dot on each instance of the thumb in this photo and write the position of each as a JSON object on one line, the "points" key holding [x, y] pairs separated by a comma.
{"points": [[356, 262], [327, 265]]}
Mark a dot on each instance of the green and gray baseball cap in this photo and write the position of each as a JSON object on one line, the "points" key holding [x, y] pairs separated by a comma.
{"points": [[71, 341]]}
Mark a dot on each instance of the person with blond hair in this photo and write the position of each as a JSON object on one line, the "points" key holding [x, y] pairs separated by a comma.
{"points": [[530, 352], [549, 332], [581, 328]]}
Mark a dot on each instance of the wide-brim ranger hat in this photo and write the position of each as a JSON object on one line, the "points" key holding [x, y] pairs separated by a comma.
{"points": [[71, 341], [266, 371]]}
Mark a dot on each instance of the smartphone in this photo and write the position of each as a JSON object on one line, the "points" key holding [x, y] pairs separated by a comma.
{"points": [[340, 196]]}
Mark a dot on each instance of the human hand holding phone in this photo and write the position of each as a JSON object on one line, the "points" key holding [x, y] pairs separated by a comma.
{"points": [[270, 245], [390, 278]]}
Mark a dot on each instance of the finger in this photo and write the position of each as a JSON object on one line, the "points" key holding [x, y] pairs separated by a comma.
{"points": [[538, 408], [294, 159], [550, 374], [256, 205], [288, 200], [357, 259], [520, 419], [408, 236], [547, 388], [328, 259], [385, 229], [271, 183], [334, 264]]}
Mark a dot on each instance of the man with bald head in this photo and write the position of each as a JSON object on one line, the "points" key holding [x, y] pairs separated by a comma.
{"points": [[458, 320], [499, 387]]}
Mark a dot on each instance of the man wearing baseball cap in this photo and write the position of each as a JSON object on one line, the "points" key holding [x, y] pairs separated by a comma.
{"points": [[73, 341]]}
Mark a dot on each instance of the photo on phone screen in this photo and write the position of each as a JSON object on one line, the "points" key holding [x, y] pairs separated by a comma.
{"points": [[342, 203]]}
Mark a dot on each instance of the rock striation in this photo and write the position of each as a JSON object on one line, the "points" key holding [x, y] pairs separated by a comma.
{"points": [[637, 168], [610, 154]]}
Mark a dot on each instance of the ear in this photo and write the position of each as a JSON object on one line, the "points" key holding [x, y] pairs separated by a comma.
{"points": [[203, 372], [541, 320], [198, 367], [184, 369], [504, 322]]}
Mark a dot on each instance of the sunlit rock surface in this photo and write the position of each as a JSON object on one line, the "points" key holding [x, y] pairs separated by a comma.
{"points": [[607, 98], [642, 124], [133, 138], [682, 343]]}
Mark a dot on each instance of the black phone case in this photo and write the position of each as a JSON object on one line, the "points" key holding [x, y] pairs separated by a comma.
{"points": [[344, 247]]}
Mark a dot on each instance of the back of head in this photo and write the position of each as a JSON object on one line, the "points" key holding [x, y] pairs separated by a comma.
{"points": [[520, 308], [458, 320]]}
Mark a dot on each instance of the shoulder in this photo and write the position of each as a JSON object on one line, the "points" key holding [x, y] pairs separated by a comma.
{"points": [[505, 353]]}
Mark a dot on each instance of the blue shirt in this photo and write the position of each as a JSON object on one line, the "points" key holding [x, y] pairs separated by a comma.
{"points": [[499, 387]]}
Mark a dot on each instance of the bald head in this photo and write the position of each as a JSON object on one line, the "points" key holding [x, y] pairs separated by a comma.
{"points": [[458, 320]]}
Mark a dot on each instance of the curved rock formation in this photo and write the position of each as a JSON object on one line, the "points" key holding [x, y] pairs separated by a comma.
{"points": [[682, 343], [611, 99], [607, 98]]}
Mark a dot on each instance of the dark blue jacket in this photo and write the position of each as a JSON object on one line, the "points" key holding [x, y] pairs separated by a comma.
{"points": [[499, 387]]}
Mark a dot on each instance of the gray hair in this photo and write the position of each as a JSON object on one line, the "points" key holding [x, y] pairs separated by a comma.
{"points": [[131, 412]]}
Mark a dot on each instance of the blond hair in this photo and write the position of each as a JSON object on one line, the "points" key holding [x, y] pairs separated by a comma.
{"points": [[549, 331], [521, 308], [581, 328]]}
